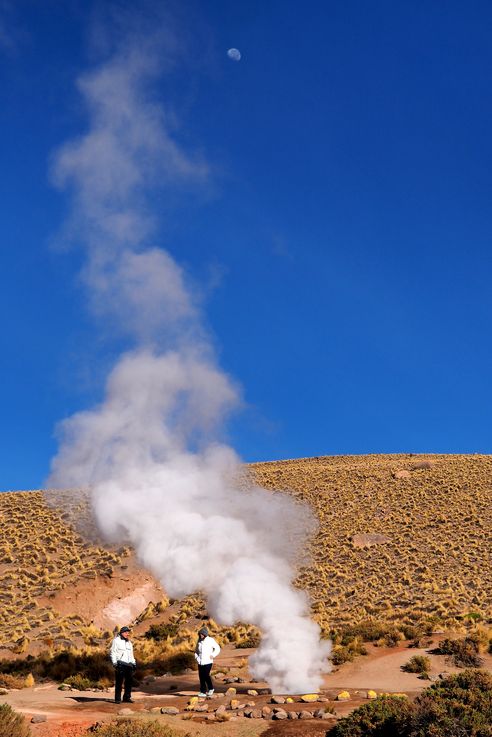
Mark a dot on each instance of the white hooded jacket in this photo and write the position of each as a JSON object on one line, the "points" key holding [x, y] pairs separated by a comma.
{"points": [[122, 650], [207, 650]]}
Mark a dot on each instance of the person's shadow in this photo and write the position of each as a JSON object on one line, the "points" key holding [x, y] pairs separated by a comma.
{"points": [[89, 699]]}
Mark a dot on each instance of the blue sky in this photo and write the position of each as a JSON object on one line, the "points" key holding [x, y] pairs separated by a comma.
{"points": [[341, 243]]}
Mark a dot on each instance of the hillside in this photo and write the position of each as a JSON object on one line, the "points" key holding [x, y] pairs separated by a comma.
{"points": [[402, 538]]}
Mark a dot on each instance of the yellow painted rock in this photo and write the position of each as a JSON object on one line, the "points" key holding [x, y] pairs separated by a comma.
{"points": [[193, 700], [231, 692], [343, 696], [289, 700], [307, 697], [372, 695]]}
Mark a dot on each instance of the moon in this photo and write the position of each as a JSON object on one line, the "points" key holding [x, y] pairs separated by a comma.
{"points": [[234, 54]]}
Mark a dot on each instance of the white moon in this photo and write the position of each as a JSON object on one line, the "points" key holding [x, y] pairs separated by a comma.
{"points": [[234, 54]]}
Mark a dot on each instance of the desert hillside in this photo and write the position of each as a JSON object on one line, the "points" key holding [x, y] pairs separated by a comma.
{"points": [[402, 538]]}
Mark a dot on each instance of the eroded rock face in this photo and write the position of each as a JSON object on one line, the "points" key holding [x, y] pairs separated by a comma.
{"points": [[369, 539]]}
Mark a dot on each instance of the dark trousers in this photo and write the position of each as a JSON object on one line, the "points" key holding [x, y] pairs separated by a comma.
{"points": [[123, 675], [205, 680]]}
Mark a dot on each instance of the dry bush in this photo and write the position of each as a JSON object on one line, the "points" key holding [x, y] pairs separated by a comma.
{"points": [[417, 664], [9, 681], [135, 728], [12, 724], [463, 653]]}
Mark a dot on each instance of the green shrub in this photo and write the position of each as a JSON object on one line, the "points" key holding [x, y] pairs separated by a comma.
{"points": [[12, 724], [417, 664], [134, 728], [457, 706], [367, 631], [179, 662], [81, 683], [462, 653], [386, 716], [162, 631]]}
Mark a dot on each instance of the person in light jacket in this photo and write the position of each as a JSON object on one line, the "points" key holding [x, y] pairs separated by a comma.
{"points": [[121, 655], [206, 650]]}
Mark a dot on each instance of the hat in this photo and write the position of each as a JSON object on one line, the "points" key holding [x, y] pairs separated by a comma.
{"points": [[124, 629], [203, 631]]}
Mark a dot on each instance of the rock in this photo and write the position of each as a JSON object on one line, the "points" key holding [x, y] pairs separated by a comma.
{"points": [[252, 692], [250, 704], [256, 714], [124, 711], [289, 700], [264, 691], [155, 710], [371, 694], [65, 687], [322, 699], [327, 715], [369, 539], [277, 700], [421, 465], [3, 691], [292, 715], [401, 474], [248, 713], [38, 718], [200, 708], [193, 700], [305, 714], [343, 696], [240, 680], [231, 692], [266, 712], [279, 714], [220, 709], [309, 697], [169, 710], [209, 717], [234, 704]]}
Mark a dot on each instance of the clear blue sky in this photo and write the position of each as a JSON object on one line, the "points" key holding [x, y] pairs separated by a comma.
{"points": [[343, 242]]}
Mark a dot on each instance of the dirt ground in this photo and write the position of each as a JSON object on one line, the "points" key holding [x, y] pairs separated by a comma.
{"points": [[71, 713]]}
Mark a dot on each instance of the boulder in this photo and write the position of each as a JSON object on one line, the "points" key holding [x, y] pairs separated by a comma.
{"points": [[402, 474], [266, 712], [277, 700], [38, 718], [169, 710], [304, 714], [371, 694], [343, 696], [309, 697], [231, 692], [279, 714], [292, 715], [125, 711], [252, 692]]}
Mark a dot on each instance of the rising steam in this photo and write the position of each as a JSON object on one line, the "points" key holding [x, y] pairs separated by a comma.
{"points": [[159, 478]]}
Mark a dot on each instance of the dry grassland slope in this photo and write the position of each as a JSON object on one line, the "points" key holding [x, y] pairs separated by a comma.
{"points": [[402, 538], [428, 517]]}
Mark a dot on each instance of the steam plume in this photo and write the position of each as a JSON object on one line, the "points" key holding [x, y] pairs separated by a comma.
{"points": [[159, 477]]}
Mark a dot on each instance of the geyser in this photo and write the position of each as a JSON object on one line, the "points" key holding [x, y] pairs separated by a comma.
{"points": [[150, 452]]}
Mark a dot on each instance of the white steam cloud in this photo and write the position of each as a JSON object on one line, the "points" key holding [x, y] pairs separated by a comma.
{"points": [[158, 476]]}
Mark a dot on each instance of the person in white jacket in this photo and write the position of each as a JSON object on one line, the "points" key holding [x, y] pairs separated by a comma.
{"points": [[206, 650], [121, 655]]}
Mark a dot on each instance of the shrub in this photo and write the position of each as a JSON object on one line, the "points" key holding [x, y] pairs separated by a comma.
{"points": [[134, 728], [462, 653], [162, 631], [251, 641], [417, 664], [12, 724], [386, 716], [179, 662], [368, 631], [9, 681], [81, 683], [457, 706]]}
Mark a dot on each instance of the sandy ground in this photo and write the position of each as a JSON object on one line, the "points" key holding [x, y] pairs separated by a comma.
{"points": [[71, 713]]}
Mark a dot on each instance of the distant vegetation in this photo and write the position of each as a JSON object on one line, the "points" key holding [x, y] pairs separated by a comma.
{"points": [[457, 706], [12, 724], [435, 513]]}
